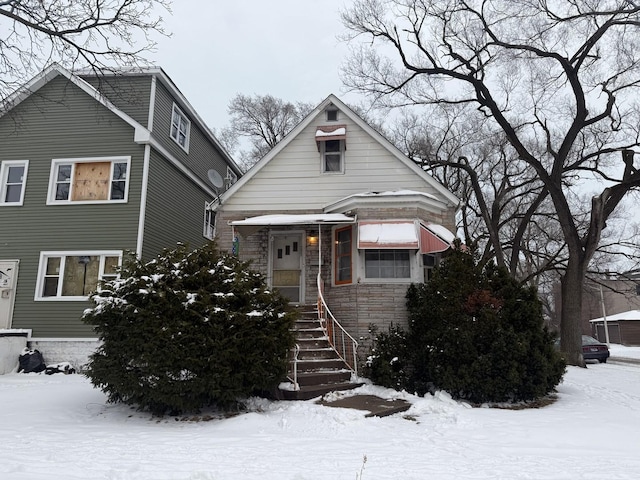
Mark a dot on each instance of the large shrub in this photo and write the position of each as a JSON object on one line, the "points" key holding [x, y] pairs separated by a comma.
{"points": [[187, 330], [478, 334]]}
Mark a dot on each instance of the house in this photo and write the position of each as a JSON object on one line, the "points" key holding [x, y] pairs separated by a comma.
{"points": [[93, 167], [336, 216], [623, 328]]}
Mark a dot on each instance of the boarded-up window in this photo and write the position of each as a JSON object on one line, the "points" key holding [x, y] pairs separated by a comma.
{"points": [[89, 181]]}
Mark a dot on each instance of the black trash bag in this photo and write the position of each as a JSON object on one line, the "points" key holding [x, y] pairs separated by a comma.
{"points": [[31, 361], [64, 367]]}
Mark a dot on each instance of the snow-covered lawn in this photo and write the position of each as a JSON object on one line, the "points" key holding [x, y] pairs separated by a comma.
{"points": [[59, 427]]}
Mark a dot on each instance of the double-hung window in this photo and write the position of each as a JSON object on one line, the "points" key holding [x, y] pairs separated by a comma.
{"points": [[89, 180], [387, 264], [231, 177], [74, 275], [332, 143], [180, 127], [209, 230], [13, 178]]}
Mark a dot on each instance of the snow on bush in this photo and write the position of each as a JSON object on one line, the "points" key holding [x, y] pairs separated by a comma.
{"points": [[186, 330]]}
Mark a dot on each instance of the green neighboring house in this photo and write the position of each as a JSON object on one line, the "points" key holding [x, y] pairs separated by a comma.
{"points": [[92, 167]]}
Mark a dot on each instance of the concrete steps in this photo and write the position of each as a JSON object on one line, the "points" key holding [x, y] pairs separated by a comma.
{"points": [[320, 369]]}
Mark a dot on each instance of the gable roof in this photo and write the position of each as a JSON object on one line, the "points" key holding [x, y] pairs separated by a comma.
{"points": [[449, 197], [142, 133], [54, 70]]}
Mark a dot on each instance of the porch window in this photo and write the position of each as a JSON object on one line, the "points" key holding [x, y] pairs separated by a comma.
{"points": [[343, 259], [387, 263]]}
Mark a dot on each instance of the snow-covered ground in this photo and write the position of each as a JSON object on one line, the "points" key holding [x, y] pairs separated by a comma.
{"points": [[59, 427]]}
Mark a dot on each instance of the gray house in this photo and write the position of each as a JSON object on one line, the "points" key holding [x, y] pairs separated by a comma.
{"points": [[91, 168]]}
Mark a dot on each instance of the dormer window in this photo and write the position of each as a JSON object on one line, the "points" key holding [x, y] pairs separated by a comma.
{"points": [[180, 127], [332, 143]]}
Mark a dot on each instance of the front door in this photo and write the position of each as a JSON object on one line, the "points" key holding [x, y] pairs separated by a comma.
{"points": [[8, 281], [286, 264]]}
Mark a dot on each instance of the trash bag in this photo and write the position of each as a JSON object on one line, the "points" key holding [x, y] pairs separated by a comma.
{"points": [[31, 361], [64, 367]]}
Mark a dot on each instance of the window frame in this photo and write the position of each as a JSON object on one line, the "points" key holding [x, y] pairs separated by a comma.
{"points": [[176, 112], [337, 255], [231, 177], [415, 268], [209, 226], [324, 153], [4, 181], [63, 255], [56, 163]]}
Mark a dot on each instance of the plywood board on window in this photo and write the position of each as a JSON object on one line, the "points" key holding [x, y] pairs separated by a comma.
{"points": [[91, 181]]}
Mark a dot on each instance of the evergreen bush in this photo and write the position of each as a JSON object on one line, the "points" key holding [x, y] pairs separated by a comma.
{"points": [[388, 363], [188, 330], [478, 334]]}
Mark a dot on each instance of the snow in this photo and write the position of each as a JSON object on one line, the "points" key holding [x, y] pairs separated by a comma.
{"points": [[629, 315], [387, 233], [441, 231], [295, 219], [331, 133], [59, 427]]}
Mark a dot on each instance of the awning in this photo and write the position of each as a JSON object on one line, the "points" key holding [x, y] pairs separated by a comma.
{"points": [[330, 132], [435, 238], [251, 225], [387, 234]]}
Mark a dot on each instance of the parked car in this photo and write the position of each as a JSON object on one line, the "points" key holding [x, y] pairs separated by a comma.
{"points": [[592, 349]]}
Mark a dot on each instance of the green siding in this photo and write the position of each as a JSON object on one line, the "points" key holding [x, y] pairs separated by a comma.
{"points": [[129, 93], [202, 154], [61, 121], [171, 195]]}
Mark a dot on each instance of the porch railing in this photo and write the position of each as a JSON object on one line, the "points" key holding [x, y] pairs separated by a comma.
{"points": [[293, 377], [344, 344]]}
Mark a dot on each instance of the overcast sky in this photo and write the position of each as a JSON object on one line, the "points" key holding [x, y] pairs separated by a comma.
{"points": [[286, 48]]}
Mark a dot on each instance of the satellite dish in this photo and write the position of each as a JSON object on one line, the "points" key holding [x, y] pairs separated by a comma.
{"points": [[215, 178]]}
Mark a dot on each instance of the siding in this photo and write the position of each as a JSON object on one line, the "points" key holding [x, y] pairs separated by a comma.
{"points": [[129, 93], [175, 209], [61, 121], [293, 180], [202, 154]]}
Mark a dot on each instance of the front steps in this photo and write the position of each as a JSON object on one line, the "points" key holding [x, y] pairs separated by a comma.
{"points": [[320, 369]]}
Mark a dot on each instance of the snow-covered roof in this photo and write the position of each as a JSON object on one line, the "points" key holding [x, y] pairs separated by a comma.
{"points": [[294, 219], [441, 231], [629, 315]]}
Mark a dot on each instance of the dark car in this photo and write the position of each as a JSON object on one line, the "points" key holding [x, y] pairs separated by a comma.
{"points": [[592, 349]]}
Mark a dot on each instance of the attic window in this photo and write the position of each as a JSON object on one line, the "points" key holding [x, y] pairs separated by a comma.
{"points": [[180, 128], [332, 142], [332, 114]]}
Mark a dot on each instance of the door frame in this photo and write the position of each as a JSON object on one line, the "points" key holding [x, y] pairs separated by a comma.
{"points": [[10, 288], [303, 252]]}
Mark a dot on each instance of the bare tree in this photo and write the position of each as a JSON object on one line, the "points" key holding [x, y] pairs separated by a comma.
{"points": [[560, 80], [264, 120], [95, 34]]}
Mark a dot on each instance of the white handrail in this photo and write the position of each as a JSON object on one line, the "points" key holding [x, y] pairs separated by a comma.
{"points": [[294, 380], [333, 330]]}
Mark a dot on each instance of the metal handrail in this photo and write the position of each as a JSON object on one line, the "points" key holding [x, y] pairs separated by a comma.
{"points": [[338, 337], [294, 380]]}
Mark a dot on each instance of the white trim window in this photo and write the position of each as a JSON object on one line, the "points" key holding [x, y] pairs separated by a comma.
{"points": [[13, 179], [180, 128], [231, 177], [89, 180], [332, 156], [209, 230], [73, 276]]}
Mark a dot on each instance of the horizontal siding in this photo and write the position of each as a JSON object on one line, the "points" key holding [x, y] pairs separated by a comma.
{"points": [[171, 195], [131, 94], [294, 178], [61, 121], [202, 155]]}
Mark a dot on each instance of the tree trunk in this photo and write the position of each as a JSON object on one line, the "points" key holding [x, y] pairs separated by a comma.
{"points": [[571, 324]]}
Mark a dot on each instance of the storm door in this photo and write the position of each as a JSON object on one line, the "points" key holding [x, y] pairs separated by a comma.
{"points": [[286, 264]]}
